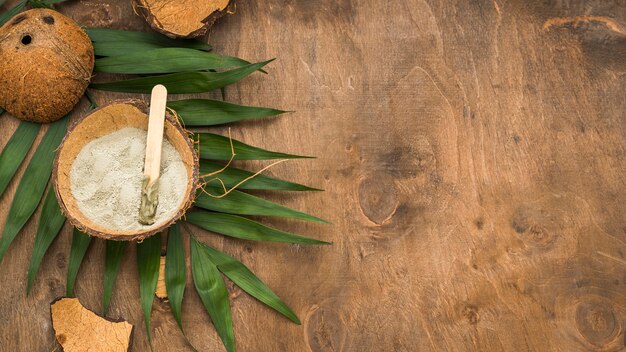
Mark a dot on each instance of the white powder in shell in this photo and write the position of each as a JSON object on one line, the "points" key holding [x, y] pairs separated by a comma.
{"points": [[107, 174]]}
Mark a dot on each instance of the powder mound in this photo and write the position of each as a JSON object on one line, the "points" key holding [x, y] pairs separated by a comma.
{"points": [[106, 179], [182, 18], [47, 62]]}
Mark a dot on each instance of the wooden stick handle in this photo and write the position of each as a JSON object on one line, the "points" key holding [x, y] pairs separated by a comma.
{"points": [[154, 142]]}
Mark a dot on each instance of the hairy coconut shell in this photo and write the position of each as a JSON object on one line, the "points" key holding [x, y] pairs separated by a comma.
{"points": [[182, 18], [47, 61], [103, 121]]}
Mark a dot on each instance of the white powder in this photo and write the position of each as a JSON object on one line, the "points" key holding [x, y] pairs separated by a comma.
{"points": [[106, 180]]}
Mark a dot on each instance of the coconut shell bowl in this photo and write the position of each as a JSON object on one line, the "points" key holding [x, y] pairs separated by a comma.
{"points": [[101, 122]]}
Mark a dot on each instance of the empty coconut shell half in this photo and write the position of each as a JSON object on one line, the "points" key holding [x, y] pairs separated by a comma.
{"points": [[102, 122], [47, 62], [182, 18]]}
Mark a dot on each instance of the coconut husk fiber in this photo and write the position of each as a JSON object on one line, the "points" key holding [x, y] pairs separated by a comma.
{"points": [[47, 62], [101, 122], [182, 18]]}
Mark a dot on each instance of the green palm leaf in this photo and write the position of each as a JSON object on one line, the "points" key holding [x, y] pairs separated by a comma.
{"points": [[112, 42], [232, 176], [33, 184], [207, 112], [213, 293], [44, 3], [148, 262], [15, 151], [114, 253], [249, 282], [175, 272], [50, 223], [166, 60], [80, 244], [216, 147], [241, 203], [6, 16], [182, 82], [246, 229]]}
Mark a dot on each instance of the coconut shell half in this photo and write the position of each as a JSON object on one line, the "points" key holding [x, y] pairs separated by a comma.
{"points": [[182, 18], [103, 121], [47, 62]]}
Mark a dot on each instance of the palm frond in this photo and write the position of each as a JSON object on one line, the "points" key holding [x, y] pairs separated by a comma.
{"points": [[148, 263], [51, 221], [114, 252], [241, 203], [182, 82], [243, 228], [175, 272], [33, 184], [216, 147], [207, 112], [213, 293], [15, 151], [78, 249]]}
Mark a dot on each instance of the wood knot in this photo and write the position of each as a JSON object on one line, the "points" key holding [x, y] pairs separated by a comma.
{"points": [[538, 235], [530, 230], [470, 312], [323, 330], [61, 260], [378, 198], [596, 322]]}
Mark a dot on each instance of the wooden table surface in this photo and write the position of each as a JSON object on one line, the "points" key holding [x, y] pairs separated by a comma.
{"points": [[473, 155]]}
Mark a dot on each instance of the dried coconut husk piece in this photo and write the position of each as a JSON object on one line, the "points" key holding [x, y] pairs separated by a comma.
{"points": [[78, 329], [47, 62], [182, 18], [101, 122]]}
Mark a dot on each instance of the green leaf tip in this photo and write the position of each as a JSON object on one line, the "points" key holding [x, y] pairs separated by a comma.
{"points": [[33, 184], [51, 221], [213, 293], [149, 263], [78, 249], [175, 272]]}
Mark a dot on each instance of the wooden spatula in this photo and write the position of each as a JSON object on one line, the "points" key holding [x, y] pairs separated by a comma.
{"points": [[152, 164]]}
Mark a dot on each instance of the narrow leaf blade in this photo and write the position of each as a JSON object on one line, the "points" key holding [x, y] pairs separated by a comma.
{"points": [[249, 282], [207, 112], [166, 60], [148, 262], [50, 223], [6, 16], [182, 82], [80, 244], [33, 184], [241, 203], [15, 151], [213, 293], [246, 229], [216, 147], [232, 176], [106, 35], [175, 272], [114, 253]]}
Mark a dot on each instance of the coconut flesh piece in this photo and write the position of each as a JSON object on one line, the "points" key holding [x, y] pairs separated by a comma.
{"points": [[182, 18], [47, 62]]}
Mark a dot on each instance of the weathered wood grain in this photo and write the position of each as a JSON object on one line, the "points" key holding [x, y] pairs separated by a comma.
{"points": [[473, 156]]}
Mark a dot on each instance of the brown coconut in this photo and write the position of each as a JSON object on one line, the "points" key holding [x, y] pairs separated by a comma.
{"points": [[47, 61], [182, 18], [103, 121]]}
